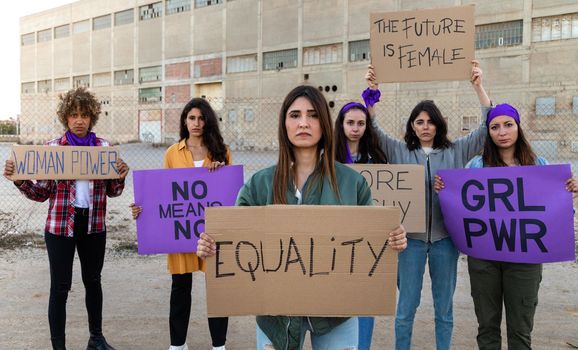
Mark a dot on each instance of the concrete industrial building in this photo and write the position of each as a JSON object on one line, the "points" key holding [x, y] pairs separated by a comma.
{"points": [[145, 59]]}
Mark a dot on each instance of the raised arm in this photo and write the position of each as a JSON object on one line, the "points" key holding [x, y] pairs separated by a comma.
{"points": [[473, 143], [476, 80], [373, 86], [388, 144]]}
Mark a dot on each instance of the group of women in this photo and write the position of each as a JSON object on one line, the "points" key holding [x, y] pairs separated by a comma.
{"points": [[308, 171]]}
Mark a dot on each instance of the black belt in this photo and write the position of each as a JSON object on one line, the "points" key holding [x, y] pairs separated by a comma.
{"points": [[81, 211]]}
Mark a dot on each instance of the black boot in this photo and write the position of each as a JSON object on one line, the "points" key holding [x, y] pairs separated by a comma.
{"points": [[58, 343], [97, 342]]}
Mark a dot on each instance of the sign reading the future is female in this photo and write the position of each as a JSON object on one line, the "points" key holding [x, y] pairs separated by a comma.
{"points": [[423, 45], [518, 214], [173, 205]]}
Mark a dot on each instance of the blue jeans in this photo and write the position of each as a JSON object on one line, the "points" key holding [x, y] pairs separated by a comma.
{"points": [[343, 336], [365, 332], [442, 258]]}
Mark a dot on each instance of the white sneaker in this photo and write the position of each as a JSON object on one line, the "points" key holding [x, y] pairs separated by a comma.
{"points": [[219, 348], [182, 347]]}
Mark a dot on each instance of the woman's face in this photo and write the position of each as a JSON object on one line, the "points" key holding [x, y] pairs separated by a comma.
{"points": [[424, 129], [504, 131], [354, 125], [302, 124], [195, 122], [78, 122]]}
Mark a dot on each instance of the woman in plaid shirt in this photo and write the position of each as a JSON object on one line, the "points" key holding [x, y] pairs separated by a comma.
{"points": [[76, 219]]}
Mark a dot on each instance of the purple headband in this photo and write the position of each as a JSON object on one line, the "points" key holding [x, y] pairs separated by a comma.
{"points": [[351, 105], [503, 109]]}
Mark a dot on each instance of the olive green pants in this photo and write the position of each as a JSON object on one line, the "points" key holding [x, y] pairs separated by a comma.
{"points": [[515, 286]]}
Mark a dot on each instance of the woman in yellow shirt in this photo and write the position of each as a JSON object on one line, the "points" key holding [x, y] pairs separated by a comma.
{"points": [[201, 144]]}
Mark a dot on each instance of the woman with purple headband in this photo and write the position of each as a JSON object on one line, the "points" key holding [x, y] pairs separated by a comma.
{"points": [[494, 283], [356, 142], [426, 143], [355, 137]]}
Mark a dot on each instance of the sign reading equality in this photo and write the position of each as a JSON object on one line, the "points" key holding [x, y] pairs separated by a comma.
{"points": [[424, 45], [398, 185], [517, 214], [64, 162], [301, 260], [174, 203]]}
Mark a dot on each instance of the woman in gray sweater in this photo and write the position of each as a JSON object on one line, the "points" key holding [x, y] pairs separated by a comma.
{"points": [[426, 143]]}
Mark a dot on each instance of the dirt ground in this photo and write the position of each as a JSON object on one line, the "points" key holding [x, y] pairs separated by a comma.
{"points": [[136, 292]]}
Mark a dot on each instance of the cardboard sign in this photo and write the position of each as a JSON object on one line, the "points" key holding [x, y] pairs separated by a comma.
{"points": [[64, 162], [423, 45], [174, 203], [301, 260], [401, 186], [517, 214]]}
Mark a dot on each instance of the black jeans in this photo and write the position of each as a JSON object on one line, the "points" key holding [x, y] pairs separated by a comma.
{"points": [[181, 311], [60, 250]]}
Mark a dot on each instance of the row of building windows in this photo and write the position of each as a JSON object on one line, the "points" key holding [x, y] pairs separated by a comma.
{"points": [[505, 34], [487, 35], [121, 77], [545, 106], [146, 95], [146, 12]]}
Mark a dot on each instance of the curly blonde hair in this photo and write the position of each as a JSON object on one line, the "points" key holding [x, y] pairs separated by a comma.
{"points": [[79, 98]]}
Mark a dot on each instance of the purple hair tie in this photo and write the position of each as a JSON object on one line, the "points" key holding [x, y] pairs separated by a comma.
{"points": [[370, 97], [503, 109]]}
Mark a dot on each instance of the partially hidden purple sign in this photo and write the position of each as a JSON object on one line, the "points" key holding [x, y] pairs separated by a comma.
{"points": [[174, 202], [517, 214]]}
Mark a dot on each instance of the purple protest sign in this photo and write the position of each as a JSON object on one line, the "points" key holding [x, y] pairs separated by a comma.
{"points": [[513, 214], [174, 202]]}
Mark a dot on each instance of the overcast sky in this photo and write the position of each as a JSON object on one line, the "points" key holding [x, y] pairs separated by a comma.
{"points": [[10, 29]]}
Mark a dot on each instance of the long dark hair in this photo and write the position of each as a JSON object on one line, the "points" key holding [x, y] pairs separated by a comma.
{"points": [[368, 144], [523, 152], [440, 139], [284, 174], [212, 138]]}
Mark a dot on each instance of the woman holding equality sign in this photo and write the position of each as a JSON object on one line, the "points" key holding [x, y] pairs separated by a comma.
{"points": [[306, 173], [495, 282], [201, 144], [76, 219], [356, 142], [426, 143]]}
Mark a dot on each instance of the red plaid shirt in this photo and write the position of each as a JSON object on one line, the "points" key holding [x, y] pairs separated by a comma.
{"points": [[61, 195]]}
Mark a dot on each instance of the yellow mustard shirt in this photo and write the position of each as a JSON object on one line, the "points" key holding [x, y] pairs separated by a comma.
{"points": [[179, 156]]}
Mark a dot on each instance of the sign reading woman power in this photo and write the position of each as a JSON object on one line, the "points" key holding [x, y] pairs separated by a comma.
{"points": [[515, 214], [174, 202], [64, 162]]}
